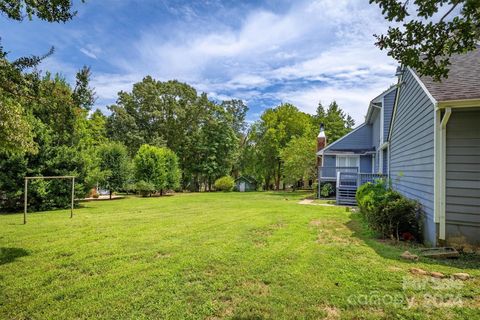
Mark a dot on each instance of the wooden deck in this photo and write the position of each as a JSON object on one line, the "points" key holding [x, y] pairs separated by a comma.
{"points": [[347, 180]]}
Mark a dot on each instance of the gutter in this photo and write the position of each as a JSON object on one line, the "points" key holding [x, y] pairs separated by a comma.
{"points": [[464, 103], [383, 146]]}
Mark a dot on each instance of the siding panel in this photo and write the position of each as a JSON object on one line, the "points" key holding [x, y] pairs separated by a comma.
{"points": [[358, 140], [411, 149], [366, 164], [463, 176], [389, 101]]}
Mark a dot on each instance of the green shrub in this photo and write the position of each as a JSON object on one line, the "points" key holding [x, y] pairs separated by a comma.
{"points": [[326, 190], [225, 183], [144, 188], [158, 166], [388, 212]]}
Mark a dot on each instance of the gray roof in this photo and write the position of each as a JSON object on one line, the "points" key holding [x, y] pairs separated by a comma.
{"points": [[463, 80]]}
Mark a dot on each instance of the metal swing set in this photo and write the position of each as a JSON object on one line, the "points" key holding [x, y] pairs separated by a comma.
{"points": [[48, 177]]}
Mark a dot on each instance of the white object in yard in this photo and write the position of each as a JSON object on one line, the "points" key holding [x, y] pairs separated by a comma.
{"points": [[242, 186]]}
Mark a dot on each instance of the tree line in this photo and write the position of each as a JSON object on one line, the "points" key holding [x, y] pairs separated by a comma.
{"points": [[159, 136]]}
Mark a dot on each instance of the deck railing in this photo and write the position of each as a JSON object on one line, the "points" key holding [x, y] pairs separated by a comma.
{"points": [[370, 177], [331, 172], [354, 179], [348, 183]]}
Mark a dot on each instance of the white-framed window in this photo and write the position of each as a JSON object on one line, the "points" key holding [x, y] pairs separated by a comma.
{"points": [[348, 161]]}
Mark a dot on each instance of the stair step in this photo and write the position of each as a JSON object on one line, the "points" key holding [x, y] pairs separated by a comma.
{"points": [[346, 195]]}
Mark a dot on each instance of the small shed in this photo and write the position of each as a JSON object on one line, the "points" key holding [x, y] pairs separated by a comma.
{"points": [[245, 183]]}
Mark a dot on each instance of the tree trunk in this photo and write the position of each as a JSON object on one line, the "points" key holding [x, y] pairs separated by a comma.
{"points": [[277, 178], [161, 192], [110, 194]]}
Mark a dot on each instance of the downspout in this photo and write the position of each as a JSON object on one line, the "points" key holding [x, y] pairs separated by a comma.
{"points": [[443, 167]]}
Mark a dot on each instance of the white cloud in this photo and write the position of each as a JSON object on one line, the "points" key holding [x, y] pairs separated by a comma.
{"points": [[107, 85], [88, 53], [91, 51], [354, 101], [321, 50], [320, 41]]}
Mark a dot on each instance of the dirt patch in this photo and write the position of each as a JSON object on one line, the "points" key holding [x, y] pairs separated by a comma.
{"points": [[257, 288], [259, 236], [333, 232], [313, 203], [315, 223], [332, 313], [394, 269], [306, 201], [227, 306], [162, 255]]}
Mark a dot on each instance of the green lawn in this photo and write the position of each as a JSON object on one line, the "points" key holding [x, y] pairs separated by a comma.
{"points": [[216, 255]]}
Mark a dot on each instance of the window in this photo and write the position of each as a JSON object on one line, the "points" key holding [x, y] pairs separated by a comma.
{"points": [[348, 161]]}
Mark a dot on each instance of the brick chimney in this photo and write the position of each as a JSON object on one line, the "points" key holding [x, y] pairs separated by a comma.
{"points": [[321, 138], [321, 143]]}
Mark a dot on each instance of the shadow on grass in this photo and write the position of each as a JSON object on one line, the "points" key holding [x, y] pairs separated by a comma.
{"points": [[392, 250], [8, 255], [79, 204]]}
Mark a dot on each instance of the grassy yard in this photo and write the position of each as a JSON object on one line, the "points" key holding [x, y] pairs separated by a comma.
{"points": [[216, 255]]}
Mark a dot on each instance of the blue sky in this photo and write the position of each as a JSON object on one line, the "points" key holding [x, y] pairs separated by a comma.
{"points": [[264, 52]]}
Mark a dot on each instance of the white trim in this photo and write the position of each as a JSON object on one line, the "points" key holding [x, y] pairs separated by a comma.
{"points": [[388, 160], [373, 163], [369, 112], [348, 153], [376, 100], [395, 104], [441, 166], [320, 152], [436, 165], [380, 161], [382, 114], [383, 94], [422, 85]]}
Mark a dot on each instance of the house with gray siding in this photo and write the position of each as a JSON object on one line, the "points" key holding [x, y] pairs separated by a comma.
{"points": [[425, 135]]}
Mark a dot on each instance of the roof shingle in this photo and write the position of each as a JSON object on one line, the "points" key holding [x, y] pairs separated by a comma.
{"points": [[463, 80]]}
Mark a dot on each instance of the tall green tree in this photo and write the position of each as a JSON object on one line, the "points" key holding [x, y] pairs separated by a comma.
{"points": [[48, 10], [57, 127], [114, 166], [15, 127], [431, 32], [337, 123], [272, 133], [172, 114], [299, 158], [83, 94], [237, 111], [18, 87], [217, 147]]}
